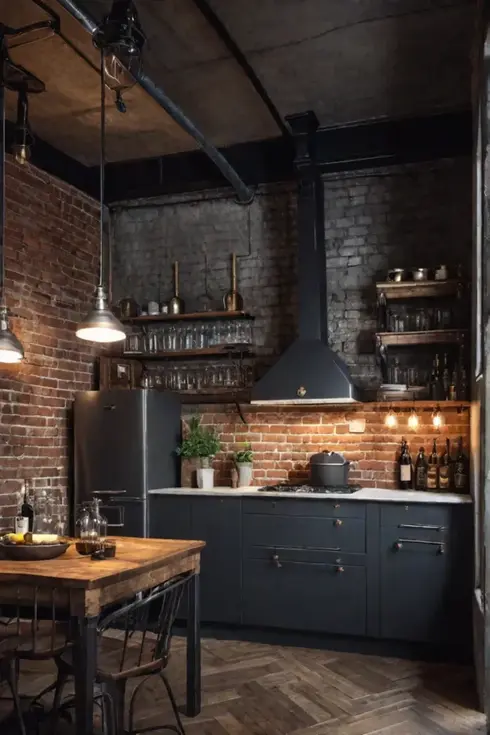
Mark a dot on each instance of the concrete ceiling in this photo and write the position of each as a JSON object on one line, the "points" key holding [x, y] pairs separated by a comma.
{"points": [[347, 60]]}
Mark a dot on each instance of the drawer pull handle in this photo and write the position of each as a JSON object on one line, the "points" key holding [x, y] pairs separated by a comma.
{"points": [[337, 522], [398, 545], [275, 559], [340, 570], [337, 506], [422, 526]]}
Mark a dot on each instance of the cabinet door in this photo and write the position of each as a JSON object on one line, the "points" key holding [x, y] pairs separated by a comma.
{"points": [[170, 516], [217, 521], [304, 596], [416, 588]]}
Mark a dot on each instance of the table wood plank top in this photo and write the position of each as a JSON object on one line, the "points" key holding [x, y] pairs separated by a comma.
{"points": [[134, 557]]}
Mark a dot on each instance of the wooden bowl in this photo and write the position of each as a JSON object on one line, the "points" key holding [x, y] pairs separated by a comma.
{"points": [[33, 552]]}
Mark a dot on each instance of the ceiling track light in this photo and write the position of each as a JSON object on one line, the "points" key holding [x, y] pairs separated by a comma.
{"points": [[11, 350], [100, 325], [121, 39]]}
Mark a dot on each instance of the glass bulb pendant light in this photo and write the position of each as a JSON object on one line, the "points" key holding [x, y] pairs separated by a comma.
{"points": [[23, 138], [100, 325], [121, 37], [11, 350]]}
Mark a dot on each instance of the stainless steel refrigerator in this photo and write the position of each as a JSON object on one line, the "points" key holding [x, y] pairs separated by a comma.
{"points": [[125, 445]]}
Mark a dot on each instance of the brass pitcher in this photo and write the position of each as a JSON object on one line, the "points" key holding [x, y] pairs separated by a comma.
{"points": [[176, 304], [232, 301]]}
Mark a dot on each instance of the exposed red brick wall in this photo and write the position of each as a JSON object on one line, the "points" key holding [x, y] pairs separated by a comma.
{"points": [[51, 272], [284, 439]]}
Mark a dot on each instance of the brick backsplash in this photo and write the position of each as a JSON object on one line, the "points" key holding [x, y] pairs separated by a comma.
{"points": [[376, 219], [51, 253], [284, 439]]}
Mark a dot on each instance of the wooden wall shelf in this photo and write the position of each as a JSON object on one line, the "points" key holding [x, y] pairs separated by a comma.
{"points": [[418, 289], [433, 336], [194, 316]]}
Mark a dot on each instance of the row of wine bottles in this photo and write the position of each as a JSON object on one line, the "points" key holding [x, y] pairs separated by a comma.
{"points": [[434, 472]]}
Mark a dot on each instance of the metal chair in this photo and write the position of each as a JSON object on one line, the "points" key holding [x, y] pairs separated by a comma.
{"points": [[32, 629], [9, 673], [142, 630]]}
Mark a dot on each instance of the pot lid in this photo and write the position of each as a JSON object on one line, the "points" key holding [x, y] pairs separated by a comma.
{"points": [[327, 457]]}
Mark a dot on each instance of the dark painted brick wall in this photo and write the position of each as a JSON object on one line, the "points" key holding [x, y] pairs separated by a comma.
{"points": [[412, 215]]}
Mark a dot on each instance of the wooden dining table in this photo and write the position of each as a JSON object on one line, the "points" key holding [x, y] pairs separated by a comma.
{"points": [[84, 587]]}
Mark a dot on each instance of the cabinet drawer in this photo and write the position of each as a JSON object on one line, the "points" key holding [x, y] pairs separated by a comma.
{"points": [[428, 517], [342, 534], [305, 507], [276, 555], [299, 596]]}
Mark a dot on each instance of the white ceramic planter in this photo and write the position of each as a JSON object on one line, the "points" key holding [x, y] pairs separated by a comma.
{"points": [[245, 472], [205, 478]]}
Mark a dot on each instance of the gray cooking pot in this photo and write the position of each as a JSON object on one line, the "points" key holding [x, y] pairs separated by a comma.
{"points": [[328, 468]]}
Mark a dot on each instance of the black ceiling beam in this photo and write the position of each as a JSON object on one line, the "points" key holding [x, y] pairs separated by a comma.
{"points": [[47, 158], [366, 145], [223, 33]]}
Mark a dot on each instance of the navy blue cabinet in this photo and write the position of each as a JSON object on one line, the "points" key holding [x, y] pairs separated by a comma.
{"points": [[217, 521], [382, 570], [425, 573]]}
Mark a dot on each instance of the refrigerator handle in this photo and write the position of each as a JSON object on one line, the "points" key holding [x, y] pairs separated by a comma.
{"points": [[108, 492]]}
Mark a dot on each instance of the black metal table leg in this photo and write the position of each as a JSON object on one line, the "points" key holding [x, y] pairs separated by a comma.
{"points": [[193, 706], [85, 663]]}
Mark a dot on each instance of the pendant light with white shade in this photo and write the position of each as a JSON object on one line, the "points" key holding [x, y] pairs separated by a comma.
{"points": [[11, 350], [100, 325]]}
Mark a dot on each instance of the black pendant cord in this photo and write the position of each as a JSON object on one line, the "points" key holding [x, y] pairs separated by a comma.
{"points": [[2, 194], [102, 167]]}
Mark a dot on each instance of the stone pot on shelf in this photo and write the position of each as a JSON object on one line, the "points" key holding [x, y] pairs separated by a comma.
{"points": [[245, 472], [205, 474]]}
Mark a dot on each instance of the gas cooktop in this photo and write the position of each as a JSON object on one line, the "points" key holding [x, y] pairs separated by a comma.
{"points": [[310, 488]]}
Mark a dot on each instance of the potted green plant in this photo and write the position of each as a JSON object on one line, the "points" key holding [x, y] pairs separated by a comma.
{"points": [[200, 444], [243, 459]]}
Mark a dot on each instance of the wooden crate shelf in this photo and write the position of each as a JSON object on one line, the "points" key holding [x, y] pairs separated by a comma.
{"points": [[418, 289], [433, 336]]}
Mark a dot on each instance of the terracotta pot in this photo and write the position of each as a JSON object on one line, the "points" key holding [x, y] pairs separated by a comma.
{"points": [[188, 477]]}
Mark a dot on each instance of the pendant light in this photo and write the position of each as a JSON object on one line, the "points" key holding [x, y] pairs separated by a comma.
{"points": [[23, 138], [122, 38], [100, 325], [11, 349]]}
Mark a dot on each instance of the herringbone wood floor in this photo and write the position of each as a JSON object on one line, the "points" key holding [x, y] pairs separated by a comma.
{"points": [[254, 689]]}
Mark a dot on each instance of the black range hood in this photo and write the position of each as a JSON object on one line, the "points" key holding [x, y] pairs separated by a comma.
{"points": [[308, 372]]}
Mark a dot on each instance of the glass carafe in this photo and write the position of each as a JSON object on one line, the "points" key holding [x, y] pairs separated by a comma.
{"points": [[91, 528]]}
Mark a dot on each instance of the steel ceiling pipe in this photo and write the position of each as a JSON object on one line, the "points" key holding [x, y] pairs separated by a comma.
{"points": [[244, 194]]}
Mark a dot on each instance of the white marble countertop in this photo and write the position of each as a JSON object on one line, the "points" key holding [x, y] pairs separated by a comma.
{"points": [[365, 493]]}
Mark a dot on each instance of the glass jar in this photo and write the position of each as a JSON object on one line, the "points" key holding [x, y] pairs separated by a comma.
{"points": [[44, 518]]}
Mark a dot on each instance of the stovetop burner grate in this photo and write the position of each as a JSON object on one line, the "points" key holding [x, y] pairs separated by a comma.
{"points": [[345, 489]]}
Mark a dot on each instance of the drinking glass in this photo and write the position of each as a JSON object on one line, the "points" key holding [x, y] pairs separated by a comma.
{"points": [[44, 521]]}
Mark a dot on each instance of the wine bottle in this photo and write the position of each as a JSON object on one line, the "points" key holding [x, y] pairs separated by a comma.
{"points": [[453, 386], [433, 469], [421, 471], [446, 380], [436, 388], [27, 509], [461, 469], [445, 469], [405, 467]]}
